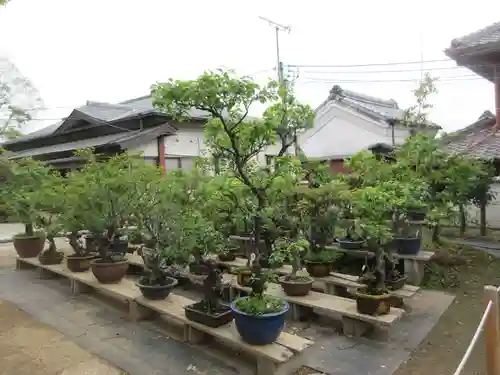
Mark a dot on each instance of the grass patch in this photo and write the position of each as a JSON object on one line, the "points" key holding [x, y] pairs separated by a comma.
{"points": [[455, 267]]}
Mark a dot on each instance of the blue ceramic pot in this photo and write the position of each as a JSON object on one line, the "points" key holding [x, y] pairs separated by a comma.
{"points": [[259, 329]]}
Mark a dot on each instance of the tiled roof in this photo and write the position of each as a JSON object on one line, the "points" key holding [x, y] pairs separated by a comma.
{"points": [[122, 139], [480, 139], [487, 35]]}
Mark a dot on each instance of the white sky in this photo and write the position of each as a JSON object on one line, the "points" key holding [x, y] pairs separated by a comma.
{"points": [[112, 50]]}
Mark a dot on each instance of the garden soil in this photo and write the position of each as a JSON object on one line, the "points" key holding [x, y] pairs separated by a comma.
{"points": [[464, 272]]}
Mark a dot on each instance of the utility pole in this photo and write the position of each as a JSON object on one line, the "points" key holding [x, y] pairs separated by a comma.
{"points": [[279, 64], [278, 27]]}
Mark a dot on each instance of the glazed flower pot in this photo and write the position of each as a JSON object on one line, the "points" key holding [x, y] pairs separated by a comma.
{"points": [[408, 246], [296, 287], [318, 269], [373, 304], [55, 257], [156, 292], [29, 246], [108, 272], [259, 329], [347, 244], [77, 263]]}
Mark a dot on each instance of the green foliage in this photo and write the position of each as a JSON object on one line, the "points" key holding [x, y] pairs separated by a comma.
{"points": [[25, 189], [290, 250], [260, 305]]}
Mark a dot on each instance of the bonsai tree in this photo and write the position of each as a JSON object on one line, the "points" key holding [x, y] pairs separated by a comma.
{"points": [[49, 216], [209, 310], [292, 250], [108, 198], [230, 134], [372, 204], [26, 178], [155, 284]]}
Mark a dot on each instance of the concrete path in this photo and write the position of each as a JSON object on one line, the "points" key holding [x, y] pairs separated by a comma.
{"points": [[7, 230], [28, 347], [489, 247]]}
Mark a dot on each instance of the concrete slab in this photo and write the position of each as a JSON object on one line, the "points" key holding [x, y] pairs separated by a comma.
{"points": [[92, 367]]}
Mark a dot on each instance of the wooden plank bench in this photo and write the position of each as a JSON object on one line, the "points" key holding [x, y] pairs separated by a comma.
{"points": [[280, 358], [353, 323], [85, 282], [344, 285], [414, 265]]}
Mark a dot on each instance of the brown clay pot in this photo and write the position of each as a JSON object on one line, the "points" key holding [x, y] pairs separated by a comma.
{"points": [[77, 263], [52, 258], [316, 269], [29, 247], [373, 304], [108, 272], [297, 287]]}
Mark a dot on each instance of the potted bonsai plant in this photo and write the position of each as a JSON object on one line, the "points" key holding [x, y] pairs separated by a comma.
{"points": [[22, 191], [155, 285], [109, 196], [353, 239], [52, 229], [394, 279], [259, 318], [407, 239], [372, 204], [209, 311], [292, 251]]}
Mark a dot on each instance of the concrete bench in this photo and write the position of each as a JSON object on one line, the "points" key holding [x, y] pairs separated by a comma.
{"points": [[354, 323], [280, 358]]}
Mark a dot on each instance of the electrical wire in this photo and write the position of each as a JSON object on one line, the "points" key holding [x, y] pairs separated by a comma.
{"points": [[378, 71], [471, 77], [368, 65]]}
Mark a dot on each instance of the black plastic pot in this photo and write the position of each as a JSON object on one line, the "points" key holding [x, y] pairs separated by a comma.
{"points": [[373, 304], [417, 214], [396, 284], [197, 313], [156, 292], [347, 244], [408, 246], [228, 257], [198, 269]]}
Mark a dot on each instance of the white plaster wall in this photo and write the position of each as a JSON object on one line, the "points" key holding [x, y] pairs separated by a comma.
{"points": [[189, 143], [492, 210], [150, 149]]}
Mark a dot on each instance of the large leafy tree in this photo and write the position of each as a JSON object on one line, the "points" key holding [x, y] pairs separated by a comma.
{"points": [[231, 134]]}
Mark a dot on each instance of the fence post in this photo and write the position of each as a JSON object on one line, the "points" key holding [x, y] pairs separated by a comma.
{"points": [[491, 330]]}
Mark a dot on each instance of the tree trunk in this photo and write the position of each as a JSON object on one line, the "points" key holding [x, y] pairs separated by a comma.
{"points": [[435, 234], [28, 228], [463, 220], [482, 220]]}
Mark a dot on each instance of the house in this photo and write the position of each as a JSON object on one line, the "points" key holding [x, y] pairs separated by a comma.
{"points": [[110, 128], [345, 123], [480, 52], [348, 122]]}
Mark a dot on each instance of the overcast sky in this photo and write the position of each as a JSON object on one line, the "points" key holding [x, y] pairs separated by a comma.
{"points": [[113, 50]]}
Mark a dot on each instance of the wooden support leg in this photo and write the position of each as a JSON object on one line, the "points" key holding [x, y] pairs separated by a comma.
{"points": [[137, 312], [265, 366], [415, 271], [78, 287], [45, 273], [20, 265], [354, 328], [195, 336]]}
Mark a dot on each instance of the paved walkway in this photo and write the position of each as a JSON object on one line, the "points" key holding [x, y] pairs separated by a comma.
{"points": [[489, 247], [28, 347]]}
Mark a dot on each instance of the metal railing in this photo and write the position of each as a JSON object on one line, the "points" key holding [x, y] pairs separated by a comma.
{"points": [[490, 324]]}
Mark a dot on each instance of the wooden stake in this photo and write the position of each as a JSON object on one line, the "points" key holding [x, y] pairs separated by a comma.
{"points": [[491, 330]]}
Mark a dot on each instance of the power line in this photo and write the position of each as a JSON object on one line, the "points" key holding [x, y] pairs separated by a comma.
{"points": [[368, 65], [471, 77], [379, 71]]}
